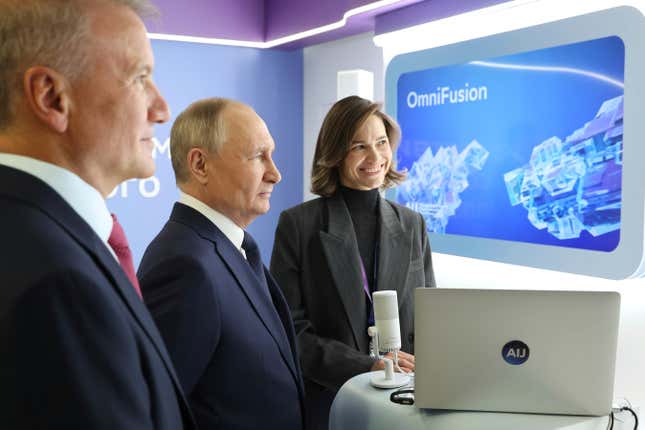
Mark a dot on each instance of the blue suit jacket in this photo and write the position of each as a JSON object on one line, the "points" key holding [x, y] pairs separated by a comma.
{"points": [[232, 343], [78, 348]]}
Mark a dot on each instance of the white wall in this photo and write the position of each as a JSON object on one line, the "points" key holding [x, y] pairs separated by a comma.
{"points": [[321, 62]]}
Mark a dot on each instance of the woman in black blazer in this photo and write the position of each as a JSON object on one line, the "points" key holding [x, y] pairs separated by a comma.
{"points": [[331, 253]]}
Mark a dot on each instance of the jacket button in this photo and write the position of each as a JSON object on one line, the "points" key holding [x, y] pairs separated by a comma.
{"points": [[411, 337]]}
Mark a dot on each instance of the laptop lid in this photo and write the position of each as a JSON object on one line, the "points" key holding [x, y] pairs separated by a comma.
{"points": [[516, 350]]}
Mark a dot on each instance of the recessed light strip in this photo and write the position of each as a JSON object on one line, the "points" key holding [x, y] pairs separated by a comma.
{"points": [[206, 40]]}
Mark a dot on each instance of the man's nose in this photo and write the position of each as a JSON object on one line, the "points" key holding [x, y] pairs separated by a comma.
{"points": [[272, 174], [159, 111]]}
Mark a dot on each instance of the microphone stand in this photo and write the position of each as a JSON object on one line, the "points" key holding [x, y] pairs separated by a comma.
{"points": [[388, 379]]}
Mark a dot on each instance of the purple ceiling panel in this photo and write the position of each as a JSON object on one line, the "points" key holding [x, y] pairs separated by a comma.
{"points": [[356, 24], [224, 19], [265, 20], [426, 11], [284, 17]]}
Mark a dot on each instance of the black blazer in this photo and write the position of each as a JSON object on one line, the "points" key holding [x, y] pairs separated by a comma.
{"points": [[232, 344], [78, 348], [316, 263]]}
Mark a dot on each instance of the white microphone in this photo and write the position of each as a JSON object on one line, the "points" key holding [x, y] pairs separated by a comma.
{"points": [[386, 318]]}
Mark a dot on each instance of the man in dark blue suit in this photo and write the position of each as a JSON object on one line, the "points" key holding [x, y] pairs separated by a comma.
{"points": [[78, 348], [224, 320]]}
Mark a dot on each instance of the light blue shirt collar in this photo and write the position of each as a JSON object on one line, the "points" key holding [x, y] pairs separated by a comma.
{"points": [[86, 200], [232, 231]]}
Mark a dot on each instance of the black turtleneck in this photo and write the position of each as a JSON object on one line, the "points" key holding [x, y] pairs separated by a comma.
{"points": [[363, 208]]}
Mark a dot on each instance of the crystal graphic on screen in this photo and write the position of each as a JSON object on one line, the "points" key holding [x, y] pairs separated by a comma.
{"points": [[575, 185], [435, 182]]}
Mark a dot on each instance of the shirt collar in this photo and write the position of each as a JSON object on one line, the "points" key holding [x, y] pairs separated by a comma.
{"points": [[86, 200], [232, 231]]}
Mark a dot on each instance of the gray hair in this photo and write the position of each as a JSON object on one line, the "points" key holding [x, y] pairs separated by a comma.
{"points": [[200, 125], [51, 33]]}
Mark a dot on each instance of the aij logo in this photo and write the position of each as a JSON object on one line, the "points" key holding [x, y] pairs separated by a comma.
{"points": [[515, 352]]}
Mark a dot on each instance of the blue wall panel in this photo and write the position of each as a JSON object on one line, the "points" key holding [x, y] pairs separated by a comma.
{"points": [[268, 80]]}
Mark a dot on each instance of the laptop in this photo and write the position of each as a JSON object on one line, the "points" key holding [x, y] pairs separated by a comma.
{"points": [[548, 352]]}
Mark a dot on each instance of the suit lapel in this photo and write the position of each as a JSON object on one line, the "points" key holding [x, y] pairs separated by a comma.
{"points": [[264, 306], [259, 300], [284, 314], [343, 259], [84, 235], [35, 192], [394, 251], [132, 300]]}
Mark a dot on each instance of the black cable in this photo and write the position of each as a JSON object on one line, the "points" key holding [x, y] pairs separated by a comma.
{"points": [[610, 423], [627, 408], [403, 396]]}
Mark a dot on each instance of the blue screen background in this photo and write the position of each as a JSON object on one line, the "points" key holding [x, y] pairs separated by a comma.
{"points": [[523, 108]]}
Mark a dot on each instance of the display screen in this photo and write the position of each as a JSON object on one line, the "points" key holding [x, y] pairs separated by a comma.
{"points": [[525, 147]]}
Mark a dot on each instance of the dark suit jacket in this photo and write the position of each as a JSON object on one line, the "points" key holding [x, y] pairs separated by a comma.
{"points": [[78, 348], [316, 263], [233, 345]]}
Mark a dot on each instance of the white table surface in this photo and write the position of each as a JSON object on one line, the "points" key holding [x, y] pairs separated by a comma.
{"points": [[358, 406]]}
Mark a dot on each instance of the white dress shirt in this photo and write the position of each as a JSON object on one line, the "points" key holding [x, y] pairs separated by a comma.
{"points": [[86, 200], [232, 231]]}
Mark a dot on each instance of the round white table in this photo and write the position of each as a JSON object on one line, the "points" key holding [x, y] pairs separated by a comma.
{"points": [[359, 406]]}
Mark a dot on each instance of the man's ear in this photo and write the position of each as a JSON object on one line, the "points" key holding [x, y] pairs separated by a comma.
{"points": [[47, 95], [197, 159]]}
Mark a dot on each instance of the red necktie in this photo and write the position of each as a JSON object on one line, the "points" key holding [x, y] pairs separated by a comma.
{"points": [[119, 244]]}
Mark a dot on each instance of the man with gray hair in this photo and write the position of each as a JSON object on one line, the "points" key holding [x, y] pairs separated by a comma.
{"points": [[78, 348], [225, 321]]}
